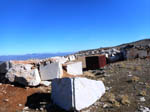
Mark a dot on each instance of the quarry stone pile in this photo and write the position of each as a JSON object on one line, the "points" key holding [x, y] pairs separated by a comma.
{"points": [[76, 93], [32, 72], [70, 93]]}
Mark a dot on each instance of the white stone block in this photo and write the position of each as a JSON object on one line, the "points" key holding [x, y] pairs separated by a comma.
{"points": [[51, 71], [74, 68], [76, 93]]}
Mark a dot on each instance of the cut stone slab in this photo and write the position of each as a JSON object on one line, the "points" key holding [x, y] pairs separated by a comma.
{"points": [[74, 68], [51, 71], [76, 93], [23, 74]]}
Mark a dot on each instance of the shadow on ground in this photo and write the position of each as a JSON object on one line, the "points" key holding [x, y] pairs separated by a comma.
{"points": [[42, 100]]}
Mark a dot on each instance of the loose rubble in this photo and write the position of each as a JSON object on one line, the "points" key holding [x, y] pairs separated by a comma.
{"points": [[32, 72]]}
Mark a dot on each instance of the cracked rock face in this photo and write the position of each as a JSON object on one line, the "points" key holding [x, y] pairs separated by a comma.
{"points": [[23, 74]]}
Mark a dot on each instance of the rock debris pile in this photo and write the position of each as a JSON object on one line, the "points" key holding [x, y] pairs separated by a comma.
{"points": [[32, 72], [67, 79]]}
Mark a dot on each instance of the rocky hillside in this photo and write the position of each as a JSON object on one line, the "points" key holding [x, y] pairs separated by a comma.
{"points": [[140, 43]]}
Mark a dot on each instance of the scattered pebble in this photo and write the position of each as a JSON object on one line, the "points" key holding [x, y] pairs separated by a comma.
{"points": [[6, 100], [142, 99], [25, 108], [130, 75], [142, 93], [135, 79], [41, 109], [20, 105], [26, 87], [144, 109], [49, 91], [107, 106], [108, 88], [141, 83], [125, 100], [12, 85]]}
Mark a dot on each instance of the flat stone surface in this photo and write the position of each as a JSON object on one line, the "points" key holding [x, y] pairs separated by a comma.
{"points": [[51, 71], [76, 93], [74, 68]]}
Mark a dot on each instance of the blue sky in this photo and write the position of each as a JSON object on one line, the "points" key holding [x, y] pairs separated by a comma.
{"points": [[42, 26]]}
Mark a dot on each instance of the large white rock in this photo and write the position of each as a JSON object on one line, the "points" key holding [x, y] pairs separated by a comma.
{"points": [[74, 68], [51, 71], [23, 74], [76, 93]]}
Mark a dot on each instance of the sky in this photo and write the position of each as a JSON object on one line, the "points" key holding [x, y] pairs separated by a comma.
{"points": [[51, 26]]}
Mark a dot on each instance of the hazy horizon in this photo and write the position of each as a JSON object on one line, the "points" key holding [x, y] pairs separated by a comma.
{"points": [[32, 56]]}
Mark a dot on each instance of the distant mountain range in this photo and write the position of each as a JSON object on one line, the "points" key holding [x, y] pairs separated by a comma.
{"points": [[143, 42], [32, 56]]}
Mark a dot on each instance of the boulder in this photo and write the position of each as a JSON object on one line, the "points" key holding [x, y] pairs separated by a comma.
{"points": [[23, 74], [51, 71], [76, 93], [74, 68], [4, 67]]}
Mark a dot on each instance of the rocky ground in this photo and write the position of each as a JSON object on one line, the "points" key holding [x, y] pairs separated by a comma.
{"points": [[127, 84]]}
